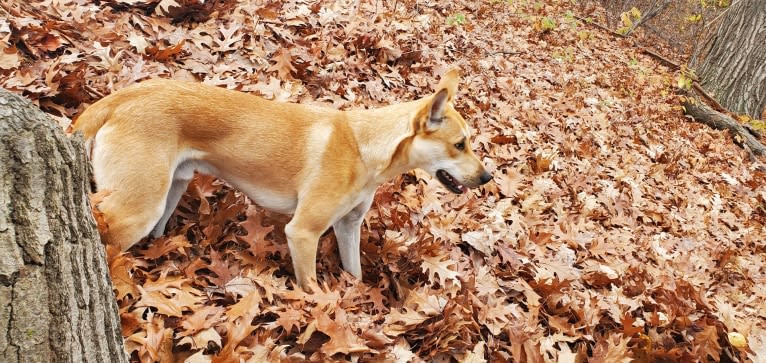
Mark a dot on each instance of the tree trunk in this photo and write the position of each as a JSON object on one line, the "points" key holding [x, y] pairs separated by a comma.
{"points": [[56, 299], [733, 66]]}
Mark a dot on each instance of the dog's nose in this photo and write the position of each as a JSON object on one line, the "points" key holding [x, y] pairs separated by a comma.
{"points": [[485, 177]]}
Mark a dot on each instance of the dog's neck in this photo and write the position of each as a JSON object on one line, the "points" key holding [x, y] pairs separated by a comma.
{"points": [[380, 133]]}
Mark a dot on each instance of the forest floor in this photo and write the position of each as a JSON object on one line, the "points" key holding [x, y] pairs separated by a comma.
{"points": [[615, 230]]}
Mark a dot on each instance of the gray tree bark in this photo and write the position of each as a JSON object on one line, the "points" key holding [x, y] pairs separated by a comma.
{"points": [[733, 63], [707, 115], [56, 299]]}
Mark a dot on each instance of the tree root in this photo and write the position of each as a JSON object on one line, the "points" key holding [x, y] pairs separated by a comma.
{"points": [[743, 136]]}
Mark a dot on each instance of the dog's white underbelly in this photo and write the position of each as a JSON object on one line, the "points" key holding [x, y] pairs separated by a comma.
{"points": [[263, 196], [259, 194], [270, 200]]}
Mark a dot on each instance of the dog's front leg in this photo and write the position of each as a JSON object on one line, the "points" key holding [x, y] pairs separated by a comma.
{"points": [[347, 230], [302, 240], [313, 215]]}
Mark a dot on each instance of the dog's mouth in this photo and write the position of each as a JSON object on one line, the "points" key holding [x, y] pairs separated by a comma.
{"points": [[450, 182]]}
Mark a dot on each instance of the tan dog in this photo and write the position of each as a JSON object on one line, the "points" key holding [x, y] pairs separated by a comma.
{"points": [[322, 165]]}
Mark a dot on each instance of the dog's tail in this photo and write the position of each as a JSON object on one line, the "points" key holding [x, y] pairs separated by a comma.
{"points": [[90, 121]]}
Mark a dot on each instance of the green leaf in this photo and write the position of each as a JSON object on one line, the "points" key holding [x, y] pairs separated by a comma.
{"points": [[696, 18], [547, 23], [457, 19]]}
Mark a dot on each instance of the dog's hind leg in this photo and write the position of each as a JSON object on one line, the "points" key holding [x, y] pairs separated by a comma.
{"points": [[136, 185], [181, 178], [347, 231], [133, 210]]}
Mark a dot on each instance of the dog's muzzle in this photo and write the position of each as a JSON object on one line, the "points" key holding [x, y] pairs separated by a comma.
{"points": [[451, 183]]}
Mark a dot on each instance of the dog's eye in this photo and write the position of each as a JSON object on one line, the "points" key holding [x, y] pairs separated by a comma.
{"points": [[460, 146]]}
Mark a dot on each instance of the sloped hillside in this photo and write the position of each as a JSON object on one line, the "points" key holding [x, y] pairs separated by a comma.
{"points": [[615, 229]]}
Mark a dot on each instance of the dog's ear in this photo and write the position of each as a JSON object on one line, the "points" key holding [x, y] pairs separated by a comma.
{"points": [[445, 93], [437, 108], [449, 82]]}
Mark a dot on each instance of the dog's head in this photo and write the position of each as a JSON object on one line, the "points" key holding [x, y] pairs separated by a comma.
{"points": [[442, 142]]}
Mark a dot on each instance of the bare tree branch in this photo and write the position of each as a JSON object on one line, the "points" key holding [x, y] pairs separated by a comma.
{"points": [[648, 15]]}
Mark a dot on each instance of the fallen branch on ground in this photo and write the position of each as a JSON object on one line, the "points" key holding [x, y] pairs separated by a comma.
{"points": [[701, 112], [705, 114]]}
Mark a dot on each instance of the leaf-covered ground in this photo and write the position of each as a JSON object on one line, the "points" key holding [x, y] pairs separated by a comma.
{"points": [[616, 230]]}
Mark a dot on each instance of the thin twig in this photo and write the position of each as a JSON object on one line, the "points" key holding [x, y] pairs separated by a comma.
{"points": [[597, 25], [708, 97], [506, 52], [699, 46], [722, 13], [648, 16], [643, 49], [659, 57]]}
